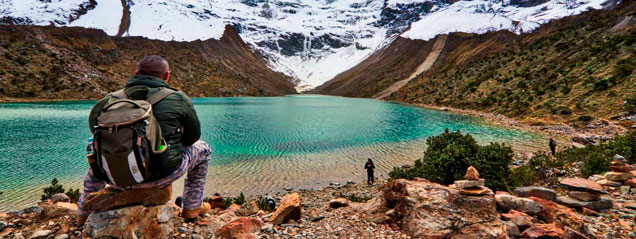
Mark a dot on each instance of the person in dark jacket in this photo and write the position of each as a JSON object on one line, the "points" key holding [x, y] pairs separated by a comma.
{"points": [[552, 145], [180, 128], [369, 167]]}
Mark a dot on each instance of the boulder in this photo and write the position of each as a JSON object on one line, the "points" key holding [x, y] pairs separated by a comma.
{"points": [[581, 184], [633, 172], [508, 202], [289, 209], [618, 176], [52, 210], [111, 198], [248, 209], [430, 210], [216, 201], [60, 197], [40, 234], [543, 231], [338, 203], [580, 139], [519, 219], [604, 203], [469, 183], [129, 222], [242, 228], [552, 212], [540, 192], [630, 182], [471, 173], [584, 196], [620, 166], [511, 229], [589, 212]]}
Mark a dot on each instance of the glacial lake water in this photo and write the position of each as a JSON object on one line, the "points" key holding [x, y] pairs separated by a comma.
{"points": [[259, 144]]}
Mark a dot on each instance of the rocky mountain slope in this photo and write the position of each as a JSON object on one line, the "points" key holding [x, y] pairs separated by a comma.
{"points": [[569, 69], [78, 63], [309, 40]]}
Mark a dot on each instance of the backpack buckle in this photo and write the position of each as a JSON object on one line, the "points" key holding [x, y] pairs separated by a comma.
{"points": [[110, 130]]}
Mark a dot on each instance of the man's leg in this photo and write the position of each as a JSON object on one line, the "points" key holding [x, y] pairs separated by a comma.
{"points": [[199, 156], [91, 184]]}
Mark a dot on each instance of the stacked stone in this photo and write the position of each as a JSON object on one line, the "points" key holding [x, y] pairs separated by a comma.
{"points": [[584, 193], [620, 172], [472, 185]]}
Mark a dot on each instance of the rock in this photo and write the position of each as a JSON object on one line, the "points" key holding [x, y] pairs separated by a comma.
{"points": [[511, 229], [430, 210], [630, 182], [543, 231], [508, 202], [18, 236], [110, 198], [471, 173], [552, 212], [581, 184], [478, 191], [584, 196], [338, 203], [619, 157], [216, 201], [609, 183], [540, 192], [248, 209], [152, 222], [633, 173], [40, 234], [469, 183], [519, 219], [596, 177], [62, 236], [618, 176], [620, 166], [242, 228], [60, 197], [604, 203], [580, 140], [625, 189], [50, 210], [290, 208], [589, 212], [573, 234]]}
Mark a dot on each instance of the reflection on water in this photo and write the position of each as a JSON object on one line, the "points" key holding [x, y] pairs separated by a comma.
{"points": [[258, 144]]}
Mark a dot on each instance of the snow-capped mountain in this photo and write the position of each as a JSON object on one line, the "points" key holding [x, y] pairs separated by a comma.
{"points": [[311, 40]]}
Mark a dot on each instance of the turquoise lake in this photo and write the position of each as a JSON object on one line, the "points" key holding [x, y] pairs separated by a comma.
{"points": [[259, 144]]}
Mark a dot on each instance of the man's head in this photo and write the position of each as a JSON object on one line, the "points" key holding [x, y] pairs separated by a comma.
{"points": [[154, 66], [369, 160]]}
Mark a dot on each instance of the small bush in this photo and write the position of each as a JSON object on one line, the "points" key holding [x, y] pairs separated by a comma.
{"points": [[74, 194], [55, 188], [263, 205], [354, 197], [596, 158], [449, 155], [240, 200], [585, 118], [522, 176]]}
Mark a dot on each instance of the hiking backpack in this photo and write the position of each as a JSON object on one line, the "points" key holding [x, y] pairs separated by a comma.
{"points": [[126, 138]]}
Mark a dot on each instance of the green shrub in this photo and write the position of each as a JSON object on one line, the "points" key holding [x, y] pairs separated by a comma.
{"points": [[74, 194], [240, 200], [596, 158], [55, 188], [522, 176], [449, 155], [354, 197], [629, 105], [263, 205], [585, 118]]}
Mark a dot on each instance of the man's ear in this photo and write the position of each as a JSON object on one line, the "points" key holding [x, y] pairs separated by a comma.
{"points": [[166, 76], [136, 72]]}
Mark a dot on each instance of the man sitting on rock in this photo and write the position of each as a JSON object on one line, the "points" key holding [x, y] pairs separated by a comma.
{"points": [[180, 129]]}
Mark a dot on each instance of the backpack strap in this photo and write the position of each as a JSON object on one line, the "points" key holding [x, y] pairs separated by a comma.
{"points": [[159, 95], [120, 94]]}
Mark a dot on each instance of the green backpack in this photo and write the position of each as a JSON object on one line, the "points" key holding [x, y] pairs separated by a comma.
{"points": [[127, 136]]}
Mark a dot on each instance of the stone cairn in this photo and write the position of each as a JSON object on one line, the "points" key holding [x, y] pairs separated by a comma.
{"points": [[472, 185], [584, 193]]}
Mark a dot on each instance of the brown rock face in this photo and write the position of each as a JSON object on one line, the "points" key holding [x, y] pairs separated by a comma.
{"points": [[521, 220], [581, 184], [630, 182], [507, 202], [429, 210], [552, 212], [471, 173], [216, 202], [477, 191], [618, 176], [289, 209], [544, 231], [620, 166], [109, 198], [51, 210], [248, 209], [242, 228], [584, 196], [338, 203], [540, 192], [128, 222], [573, 234]]}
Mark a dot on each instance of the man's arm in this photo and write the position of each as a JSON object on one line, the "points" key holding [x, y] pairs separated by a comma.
{"points": [[191, 127]]}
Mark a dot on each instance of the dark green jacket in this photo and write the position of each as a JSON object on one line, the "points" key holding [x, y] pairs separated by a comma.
{"points": [[172, 112]]}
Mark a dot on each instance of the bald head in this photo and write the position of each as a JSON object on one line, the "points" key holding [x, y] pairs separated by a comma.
{"points": [[154, 66]]}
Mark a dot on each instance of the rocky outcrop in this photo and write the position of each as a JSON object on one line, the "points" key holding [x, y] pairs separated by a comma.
{"points": [[429, 210], [289, 209], [540, 192], [506, 202], [111, 198], [130, 222], [242, 228], [584, 193]]}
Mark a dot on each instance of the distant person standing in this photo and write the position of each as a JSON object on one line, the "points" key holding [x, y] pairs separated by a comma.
{"points": [[369, 167], [552, 145]]}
